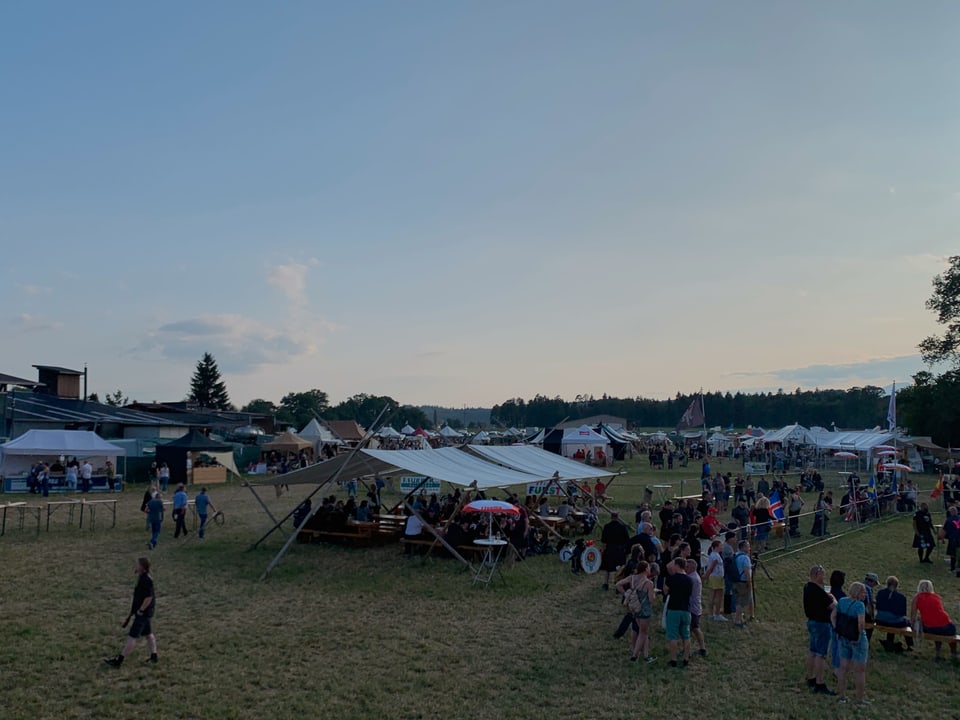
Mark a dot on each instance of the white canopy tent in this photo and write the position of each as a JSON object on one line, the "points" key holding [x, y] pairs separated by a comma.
{"points": [[448, 432], [319, 435], [19, 454], [446, 464], [535, 461], [790, 434]]}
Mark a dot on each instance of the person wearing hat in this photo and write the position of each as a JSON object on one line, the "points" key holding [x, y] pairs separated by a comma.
{"points": [[870, 581]]}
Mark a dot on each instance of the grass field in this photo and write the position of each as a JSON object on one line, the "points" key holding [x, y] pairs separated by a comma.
{"points": [[346, 633]]}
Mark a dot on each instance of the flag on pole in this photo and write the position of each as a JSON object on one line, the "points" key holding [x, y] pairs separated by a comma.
{"points": [[694, 416], [776, 506], [872, 487], [892, 409], [935, 493]]}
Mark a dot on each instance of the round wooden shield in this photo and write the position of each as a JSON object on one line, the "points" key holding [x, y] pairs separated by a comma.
{"points": [[590, 560], [565, 554]]}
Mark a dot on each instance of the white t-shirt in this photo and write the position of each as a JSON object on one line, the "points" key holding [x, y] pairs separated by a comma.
{"points": [[715, 563]]}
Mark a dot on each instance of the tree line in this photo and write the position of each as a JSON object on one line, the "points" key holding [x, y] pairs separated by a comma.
{"points": [[854, 408], [931, 406]]}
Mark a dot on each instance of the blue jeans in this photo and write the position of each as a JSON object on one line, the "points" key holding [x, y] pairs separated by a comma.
{"points": [[155, 529], [203, 524]]}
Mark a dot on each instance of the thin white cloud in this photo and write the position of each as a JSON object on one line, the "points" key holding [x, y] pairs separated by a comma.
{"points": [[874, 371], [291, 281], [27, 323], [240, 344], [29, 289]]}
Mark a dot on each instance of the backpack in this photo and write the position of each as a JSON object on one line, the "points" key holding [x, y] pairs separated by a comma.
{"points": [[847, 626], [730, 569], [638, 603]]}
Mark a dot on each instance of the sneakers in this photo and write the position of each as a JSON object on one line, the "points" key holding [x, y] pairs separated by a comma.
{"points": [[606, 587], [842, 699], [702, 652], [685, 663], [115, 661], [823, 690], [863, 702], [152, 660], [719, 618], [650, 659], [672, 663], [811, 683]]}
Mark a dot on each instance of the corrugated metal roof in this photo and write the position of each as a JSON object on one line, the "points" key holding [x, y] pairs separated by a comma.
{"points": [[39, 408]]}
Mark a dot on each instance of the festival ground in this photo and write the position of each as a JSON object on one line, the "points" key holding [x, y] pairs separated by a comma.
{"points": [[360, 633]]}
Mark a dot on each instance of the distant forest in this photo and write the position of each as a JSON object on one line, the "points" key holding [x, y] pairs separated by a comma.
{"points": [[857, 408]]}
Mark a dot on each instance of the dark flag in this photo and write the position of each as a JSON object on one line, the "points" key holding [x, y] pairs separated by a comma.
{"points": [[693, 417]]}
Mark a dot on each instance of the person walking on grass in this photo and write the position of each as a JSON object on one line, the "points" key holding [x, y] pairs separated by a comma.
{"points": [[141, 612], [155, 519], [817, 606], [180, 501], [203, 505]]}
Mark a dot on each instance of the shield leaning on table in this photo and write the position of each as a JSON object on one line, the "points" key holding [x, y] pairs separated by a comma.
{"points": [[590, 560]]}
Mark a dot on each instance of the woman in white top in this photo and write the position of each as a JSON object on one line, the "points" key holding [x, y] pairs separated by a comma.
{"points": [[713, 572]]}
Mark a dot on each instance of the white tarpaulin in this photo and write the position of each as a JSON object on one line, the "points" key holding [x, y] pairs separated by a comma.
{"points": [[16, 455], [448, 464], [791, 433], [855, 440], [81, 443], [533, 460]]}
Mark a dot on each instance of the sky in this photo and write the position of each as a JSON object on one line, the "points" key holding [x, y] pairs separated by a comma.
{"points": [[459, 203]]}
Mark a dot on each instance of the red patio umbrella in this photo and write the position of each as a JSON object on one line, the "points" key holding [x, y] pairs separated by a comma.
{"points": [[492, 507]]}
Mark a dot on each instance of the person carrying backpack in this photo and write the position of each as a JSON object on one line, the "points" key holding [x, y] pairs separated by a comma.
{"points": [[742, 575]]}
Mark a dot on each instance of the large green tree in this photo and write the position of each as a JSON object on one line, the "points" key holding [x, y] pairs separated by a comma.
{"points": [[207, 388], [259, 406], [299, 408], [932, 405]]}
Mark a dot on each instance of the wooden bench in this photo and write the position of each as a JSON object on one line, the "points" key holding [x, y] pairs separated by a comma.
{"points": [[908, 632], [464, 550], [344, 537], [883, 629]]}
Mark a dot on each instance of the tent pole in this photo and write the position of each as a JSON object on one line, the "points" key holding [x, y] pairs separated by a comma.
{"points": [[363, 441], [456, 510], [438, 537], [276, 525]]}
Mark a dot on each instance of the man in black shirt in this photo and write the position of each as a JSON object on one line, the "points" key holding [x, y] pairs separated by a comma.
{"points": [[141, 610], [923, 533], [614, 537], [678, 588], [817, 604]]}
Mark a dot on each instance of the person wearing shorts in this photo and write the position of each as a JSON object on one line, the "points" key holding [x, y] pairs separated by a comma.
{"points": [[853, 653], [141, 611], [817, 606], [678, 588]]}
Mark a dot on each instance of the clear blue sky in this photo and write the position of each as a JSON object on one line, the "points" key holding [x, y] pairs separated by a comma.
{"points": [[459, 203]]}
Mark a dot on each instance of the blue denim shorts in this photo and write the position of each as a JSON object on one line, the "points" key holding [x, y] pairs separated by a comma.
{"points": [[819, 637], [855, 650]]}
